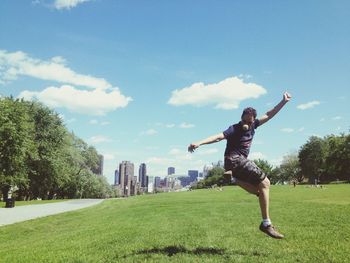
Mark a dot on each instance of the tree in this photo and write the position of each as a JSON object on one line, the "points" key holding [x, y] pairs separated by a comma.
{"points": [[290, 168], [312, 158], [337, 161], [16, 144], [49, 135], [264, 166], [274, 174], [43, 159]]}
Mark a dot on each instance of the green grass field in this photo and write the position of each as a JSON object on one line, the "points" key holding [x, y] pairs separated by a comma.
{"points": [[196, 226]]}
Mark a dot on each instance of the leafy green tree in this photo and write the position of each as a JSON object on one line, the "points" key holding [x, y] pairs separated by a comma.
{"points": [[49, 135], [16, 144], [215, 176], [43, 159], [275, 176], [337, 161], [290, 168], [264, 166], [312, 157]]}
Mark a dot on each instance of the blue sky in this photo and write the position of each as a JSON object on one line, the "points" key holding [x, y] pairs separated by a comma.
{"points": [[140, 80]]}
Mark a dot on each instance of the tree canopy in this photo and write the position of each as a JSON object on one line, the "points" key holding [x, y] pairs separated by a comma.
{"points": [[42, 158]]}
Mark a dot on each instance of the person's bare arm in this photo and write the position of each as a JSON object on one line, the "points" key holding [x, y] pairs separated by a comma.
{"points": [[268, 116], [211, 139]]}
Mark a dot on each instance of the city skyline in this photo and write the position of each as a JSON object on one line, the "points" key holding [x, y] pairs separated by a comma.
{"points": [[142, 81]]}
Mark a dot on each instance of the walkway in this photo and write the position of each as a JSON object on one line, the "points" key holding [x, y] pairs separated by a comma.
{"points": [[22, 213]]}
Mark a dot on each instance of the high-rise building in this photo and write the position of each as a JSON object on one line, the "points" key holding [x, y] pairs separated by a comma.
{"points": [[142, 175], [126, 174], [157, 181], [193, 174], [171, 170], [133, 185], [116, 177], [184, 180], [150, 184]]}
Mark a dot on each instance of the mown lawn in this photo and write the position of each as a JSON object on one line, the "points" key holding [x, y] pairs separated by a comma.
{"points": [[196, 226]]}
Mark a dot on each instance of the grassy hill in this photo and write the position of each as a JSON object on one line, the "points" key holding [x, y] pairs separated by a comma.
{"points": [[197, 226]]}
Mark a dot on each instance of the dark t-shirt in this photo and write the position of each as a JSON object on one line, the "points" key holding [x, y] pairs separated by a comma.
{"points": [[238, 140]]}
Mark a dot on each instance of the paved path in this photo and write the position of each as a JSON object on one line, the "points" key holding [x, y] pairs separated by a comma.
{"points": [[27, 212]]}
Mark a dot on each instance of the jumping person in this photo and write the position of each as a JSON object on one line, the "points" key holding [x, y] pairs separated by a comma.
{"points": [[248, 175]]}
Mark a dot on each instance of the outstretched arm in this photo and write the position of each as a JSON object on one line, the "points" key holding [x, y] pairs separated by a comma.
{"points": [[211, 139], [271, 113]]}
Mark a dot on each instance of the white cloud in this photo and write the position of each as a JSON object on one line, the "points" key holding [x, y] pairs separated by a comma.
{"points": [[256, 155], [287, 130], [184, 157], [108, 156], [322, 119], [67, 4], [176, 151], [308, 105], [93, 122], [99, 139], [159, 160], [149, 132], [95, 102], [337, 118], [19, 63], [170, 125], [185, 125], [226, 94], [245, 76], [301, 129]]}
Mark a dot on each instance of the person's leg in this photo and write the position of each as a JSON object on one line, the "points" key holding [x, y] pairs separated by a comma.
{"points": [[264, 192], [266, 225], [252, 175], [253, 189]]}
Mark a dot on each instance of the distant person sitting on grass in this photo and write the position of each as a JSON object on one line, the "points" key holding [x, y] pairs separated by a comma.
{"points": [[248, 175]]}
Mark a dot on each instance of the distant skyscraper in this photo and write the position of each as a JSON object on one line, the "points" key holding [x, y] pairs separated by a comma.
{"points": [[150, 184], [193, 174], [171, 170], [142, 175], [184, 180], [116, 177], [133, 185], [126, 174], [157, 181]]}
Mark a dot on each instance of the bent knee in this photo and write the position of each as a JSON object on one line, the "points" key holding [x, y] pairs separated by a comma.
{"points": [[265, 183]]}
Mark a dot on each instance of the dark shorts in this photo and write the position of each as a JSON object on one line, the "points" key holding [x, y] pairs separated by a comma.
{"points": [[244, 169]]}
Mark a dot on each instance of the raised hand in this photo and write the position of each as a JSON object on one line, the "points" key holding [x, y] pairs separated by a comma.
{"points": [[286, 97], [192, 147]]}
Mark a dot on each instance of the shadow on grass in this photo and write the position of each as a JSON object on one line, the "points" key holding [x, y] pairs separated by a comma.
{"points": [[173, 250]]}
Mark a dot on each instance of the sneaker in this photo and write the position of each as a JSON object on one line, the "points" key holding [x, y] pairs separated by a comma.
{"points": [[271, 231]]}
